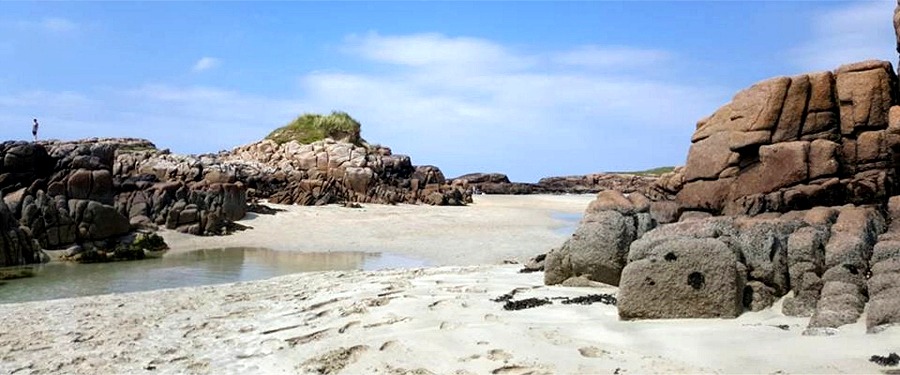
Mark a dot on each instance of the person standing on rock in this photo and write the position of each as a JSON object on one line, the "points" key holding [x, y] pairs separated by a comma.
{"points": [[34, 129]]}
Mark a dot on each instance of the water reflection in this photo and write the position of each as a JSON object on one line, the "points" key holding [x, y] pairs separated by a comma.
{"points": [[571, 222], [202, 267]]}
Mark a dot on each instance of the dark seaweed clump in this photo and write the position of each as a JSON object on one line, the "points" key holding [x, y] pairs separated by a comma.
{"points": [[890, 360], [606, 299], [526, 303]]}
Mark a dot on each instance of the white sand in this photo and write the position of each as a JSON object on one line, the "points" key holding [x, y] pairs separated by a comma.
{"points": [[436, 320], [493, 229]]}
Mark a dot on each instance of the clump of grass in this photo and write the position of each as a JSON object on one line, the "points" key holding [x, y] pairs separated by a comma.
{"points": [[650, 172], [311, 127], [120, 253], [16, 273], [150, 241]]}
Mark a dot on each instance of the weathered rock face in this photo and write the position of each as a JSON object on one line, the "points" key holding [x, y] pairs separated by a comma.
{"points": [[785, 144], [683, 278], [329, 172], [883, 285], [813, 253], [21, 163], [16, 244]]}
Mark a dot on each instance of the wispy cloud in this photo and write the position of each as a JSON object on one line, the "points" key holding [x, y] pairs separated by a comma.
{"points": [[611, 57], [57, 24], [206, 63], [859, 31], [46, 24]]}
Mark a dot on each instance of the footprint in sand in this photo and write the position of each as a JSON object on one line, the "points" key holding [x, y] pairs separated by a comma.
{"points": [[389, 345], [334, 361], [402, 371], [592, 352], [469, 358], [519, 370], [347, 326], [437, 304], [392, 320], [310, 337], [499, 355]]}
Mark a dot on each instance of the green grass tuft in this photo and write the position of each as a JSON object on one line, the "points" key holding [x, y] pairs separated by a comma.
{"points": [[650, 172], [16, 273], [311, 127]]}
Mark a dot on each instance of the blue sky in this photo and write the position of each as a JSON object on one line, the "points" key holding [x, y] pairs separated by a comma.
{"points": [[529, 89]]}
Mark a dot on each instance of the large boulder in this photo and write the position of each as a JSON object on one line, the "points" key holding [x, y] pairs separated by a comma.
{"points": [[599, 247], [596, 250], [683, 278], [98, 221], [16, 244]]}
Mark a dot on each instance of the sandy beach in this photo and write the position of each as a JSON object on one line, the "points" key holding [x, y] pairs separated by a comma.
{"points": [[492, 229], [440, 320]]}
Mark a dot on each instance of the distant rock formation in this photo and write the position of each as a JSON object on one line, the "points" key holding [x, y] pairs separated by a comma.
{"points": [[790, 187], [498, 183]]}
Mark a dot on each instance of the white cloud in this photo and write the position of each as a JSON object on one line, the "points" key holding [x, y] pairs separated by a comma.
{"points": [[441, 96], [860, 31], [48, 24], [434, 51], [464, 104], [611, 57], [206, 63]]}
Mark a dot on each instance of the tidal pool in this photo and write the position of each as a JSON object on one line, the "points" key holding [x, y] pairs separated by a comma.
{"points": [[202, 267]]}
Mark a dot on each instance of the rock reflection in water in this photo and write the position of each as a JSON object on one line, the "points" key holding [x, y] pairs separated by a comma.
{"points": [[194, 268]]}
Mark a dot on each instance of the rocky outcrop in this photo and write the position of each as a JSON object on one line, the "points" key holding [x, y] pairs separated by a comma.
{"points": [[91, 193], [786, 193], [495, 183], [329, 172], [794, 143]]}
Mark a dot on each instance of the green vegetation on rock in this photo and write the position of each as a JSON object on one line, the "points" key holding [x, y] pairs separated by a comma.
{"points": [[16, 273], [311, 127], [151, 242], [650, 172]]}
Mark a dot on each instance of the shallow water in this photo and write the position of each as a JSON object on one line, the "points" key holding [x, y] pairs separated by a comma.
{"points": [[571, 222], [195, 268]]}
